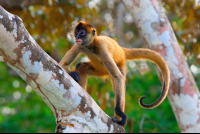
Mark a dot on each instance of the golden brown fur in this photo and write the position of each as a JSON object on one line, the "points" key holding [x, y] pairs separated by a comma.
{"points": [[108, 58]]}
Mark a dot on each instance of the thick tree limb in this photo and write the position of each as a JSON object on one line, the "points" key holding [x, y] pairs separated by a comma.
{"points": [[73, 108]]}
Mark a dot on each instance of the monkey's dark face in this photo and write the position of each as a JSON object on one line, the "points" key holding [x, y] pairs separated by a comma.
{"points": [[80, 36], [84, 34]]}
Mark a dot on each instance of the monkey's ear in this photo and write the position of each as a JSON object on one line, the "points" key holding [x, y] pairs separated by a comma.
{"points": [[93, 32]]}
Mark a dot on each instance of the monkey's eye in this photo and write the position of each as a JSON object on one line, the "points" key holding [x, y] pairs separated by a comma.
{"points": [[82, 32], [93, 32], [76, 34]]}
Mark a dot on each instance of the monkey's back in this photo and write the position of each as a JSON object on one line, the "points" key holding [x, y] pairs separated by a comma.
{"points": [[103, 43], [113, 48]]}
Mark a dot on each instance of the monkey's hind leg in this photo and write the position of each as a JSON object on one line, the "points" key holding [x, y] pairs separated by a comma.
{"points": [[81, 73], [85, 69]]}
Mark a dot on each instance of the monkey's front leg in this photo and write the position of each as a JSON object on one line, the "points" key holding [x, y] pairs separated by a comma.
{"points": [[68, 59], [119, 89], [118, 81]]}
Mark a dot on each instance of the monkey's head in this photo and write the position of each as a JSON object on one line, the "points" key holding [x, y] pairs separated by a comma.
{"points": [[84, 33]]}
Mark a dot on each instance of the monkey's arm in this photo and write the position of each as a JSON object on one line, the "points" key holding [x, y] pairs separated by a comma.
{"points": [[69, 58], [118, 80]]}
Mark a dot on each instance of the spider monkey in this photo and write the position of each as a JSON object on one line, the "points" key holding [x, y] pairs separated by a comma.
{"points": [[107, 58]]}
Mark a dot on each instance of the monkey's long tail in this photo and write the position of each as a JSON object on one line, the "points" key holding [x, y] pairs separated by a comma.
{"points": [[137, 54]]}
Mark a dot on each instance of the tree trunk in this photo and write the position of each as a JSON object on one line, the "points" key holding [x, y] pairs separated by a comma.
{"points": [[73, 108], [158, 35]]}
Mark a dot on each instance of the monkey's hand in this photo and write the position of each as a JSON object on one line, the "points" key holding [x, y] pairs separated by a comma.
{"points": [[75, 76]]}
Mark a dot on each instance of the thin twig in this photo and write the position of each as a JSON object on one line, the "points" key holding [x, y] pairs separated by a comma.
{"points": [[127, 8], [141, 123]]}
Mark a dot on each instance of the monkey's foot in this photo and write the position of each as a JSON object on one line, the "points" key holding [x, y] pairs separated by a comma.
{"points": [[75, 76], [115, 120], [122, 122]]}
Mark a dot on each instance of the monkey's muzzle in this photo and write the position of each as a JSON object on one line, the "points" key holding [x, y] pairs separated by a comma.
{"points": [[79, 41]]}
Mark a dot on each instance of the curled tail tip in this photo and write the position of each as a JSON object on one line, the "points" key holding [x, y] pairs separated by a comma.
{"points": [[141, 98], [147, 106], [140, 101], [155, 104]]}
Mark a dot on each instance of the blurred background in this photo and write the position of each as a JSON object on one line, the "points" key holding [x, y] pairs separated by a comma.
{"points": [[51, 22]]}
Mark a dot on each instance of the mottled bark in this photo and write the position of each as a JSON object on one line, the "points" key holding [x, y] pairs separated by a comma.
{"points": [[73, 108], [157, 33]]}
